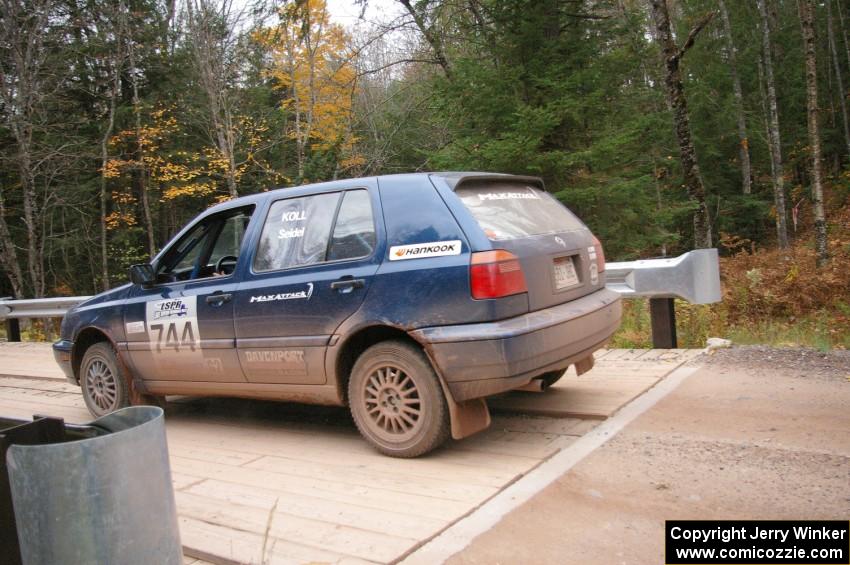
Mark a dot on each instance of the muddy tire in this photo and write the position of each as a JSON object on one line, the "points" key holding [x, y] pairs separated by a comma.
{"points": [[396, 400], [105, 386]]}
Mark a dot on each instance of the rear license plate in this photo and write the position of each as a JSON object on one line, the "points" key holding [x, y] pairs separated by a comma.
{"points": [[565, 273]]}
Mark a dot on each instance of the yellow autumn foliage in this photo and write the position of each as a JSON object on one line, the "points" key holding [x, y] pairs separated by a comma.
{"points": [[312, 63], [175, 172]]}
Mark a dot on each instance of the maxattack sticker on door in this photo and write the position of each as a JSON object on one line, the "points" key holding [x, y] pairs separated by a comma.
{"points": [[424, 250]]}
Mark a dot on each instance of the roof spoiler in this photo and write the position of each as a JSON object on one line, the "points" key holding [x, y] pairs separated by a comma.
{"points": [[458, 181]]}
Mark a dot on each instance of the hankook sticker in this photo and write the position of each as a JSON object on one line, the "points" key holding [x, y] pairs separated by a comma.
{"points": [[424, 250], [301, 294], [135, 327]]}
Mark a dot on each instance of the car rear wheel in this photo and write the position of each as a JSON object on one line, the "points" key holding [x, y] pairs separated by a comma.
{"points": [[105, 386], [396, 400]]}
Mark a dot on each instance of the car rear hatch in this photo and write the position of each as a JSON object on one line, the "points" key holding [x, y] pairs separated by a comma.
{"points": [[560, 257]]}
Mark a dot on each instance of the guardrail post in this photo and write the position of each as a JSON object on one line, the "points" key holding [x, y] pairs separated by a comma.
{"points": [[13, 329], [662, 313]]}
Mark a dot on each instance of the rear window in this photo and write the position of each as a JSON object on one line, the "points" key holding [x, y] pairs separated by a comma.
{"points": [[511, 211]]}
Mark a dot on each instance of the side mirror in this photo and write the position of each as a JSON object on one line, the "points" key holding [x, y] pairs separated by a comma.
{"points": [[142, 274]]}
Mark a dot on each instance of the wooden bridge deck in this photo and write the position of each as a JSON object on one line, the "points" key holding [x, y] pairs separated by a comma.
{"points": [[283, 483]]}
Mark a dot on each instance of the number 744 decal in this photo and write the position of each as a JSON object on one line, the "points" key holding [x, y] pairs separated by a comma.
{"points": [[173, 323]]}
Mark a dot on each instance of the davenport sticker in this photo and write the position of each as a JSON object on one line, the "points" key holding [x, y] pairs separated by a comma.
{"points": [[423, 250]]}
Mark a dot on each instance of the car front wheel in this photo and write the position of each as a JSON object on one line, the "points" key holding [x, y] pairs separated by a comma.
{"points": [[397, 401], [105, 386]]}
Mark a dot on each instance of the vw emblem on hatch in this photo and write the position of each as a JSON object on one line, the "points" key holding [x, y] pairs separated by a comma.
{"points": [[561, 241]]}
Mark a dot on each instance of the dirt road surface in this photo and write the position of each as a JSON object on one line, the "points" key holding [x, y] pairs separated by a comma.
{"points": [[754, 434]]}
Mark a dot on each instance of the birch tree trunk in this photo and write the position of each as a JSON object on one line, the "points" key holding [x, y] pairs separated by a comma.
{"points": [[141, 172], [8, 253], [672, 55], [431, 36], [844, 32], [115, 60], [743, 141], [774, 144], [211, 25], [104, 159], [25, 80], [807, 8], [842, 94]]}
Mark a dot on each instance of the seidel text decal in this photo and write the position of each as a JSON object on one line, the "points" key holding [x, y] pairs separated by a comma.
{"points": [[292, 232], [424, 250]]}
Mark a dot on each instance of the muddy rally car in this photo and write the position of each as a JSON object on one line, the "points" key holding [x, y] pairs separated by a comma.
{"points": [[408, 298]]}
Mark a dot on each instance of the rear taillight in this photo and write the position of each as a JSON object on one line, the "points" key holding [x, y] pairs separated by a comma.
{"points": [[494, 274], [600, 254]]}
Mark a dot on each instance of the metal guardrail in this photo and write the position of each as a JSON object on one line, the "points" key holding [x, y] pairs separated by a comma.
{"points": [[694, 277], [94, 493], [38, 307]]}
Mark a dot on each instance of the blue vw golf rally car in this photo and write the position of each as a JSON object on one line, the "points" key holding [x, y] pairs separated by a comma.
{"points": [[409, 298]]}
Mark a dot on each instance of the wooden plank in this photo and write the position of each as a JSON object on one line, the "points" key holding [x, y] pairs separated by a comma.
{"points": [[313, 534], [431, 467], [524, 423], [38, 384], [26, 410], [316, 444], [390, 482], [233, 545], [400, 524], [593, 400], [46, 398], [370, 497]]}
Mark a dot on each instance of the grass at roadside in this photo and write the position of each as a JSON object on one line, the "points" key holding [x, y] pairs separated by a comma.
{"points": [[823, 330]]}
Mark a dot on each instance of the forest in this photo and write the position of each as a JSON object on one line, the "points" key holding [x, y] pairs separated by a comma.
{"points": [[666, 125]]}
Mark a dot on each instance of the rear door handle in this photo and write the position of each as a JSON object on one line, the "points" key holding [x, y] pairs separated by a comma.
{"points": [[218, 298], [347, 285]]}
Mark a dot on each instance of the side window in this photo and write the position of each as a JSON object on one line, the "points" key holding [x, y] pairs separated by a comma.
{"points": [[354, 232], [186, 252], [296, 232], [196, 254], [230, 238]]}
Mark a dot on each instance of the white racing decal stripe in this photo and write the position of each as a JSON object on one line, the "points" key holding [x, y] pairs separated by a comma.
{"points": [[425, 250]]}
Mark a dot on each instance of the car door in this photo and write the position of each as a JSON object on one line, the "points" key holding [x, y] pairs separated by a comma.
{"points": [[181, 328], [312, 267]]}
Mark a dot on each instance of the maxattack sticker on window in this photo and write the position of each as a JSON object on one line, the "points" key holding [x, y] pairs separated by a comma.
{"points": [[507, 196], [424, 250]]}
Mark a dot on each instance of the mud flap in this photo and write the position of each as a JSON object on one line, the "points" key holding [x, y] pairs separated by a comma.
{"points": [[584, 365], [467, 418], [138, 393]]}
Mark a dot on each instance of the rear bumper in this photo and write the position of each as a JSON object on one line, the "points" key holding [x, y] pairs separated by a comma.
{"points": [[479, 360], [62, 353]]}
